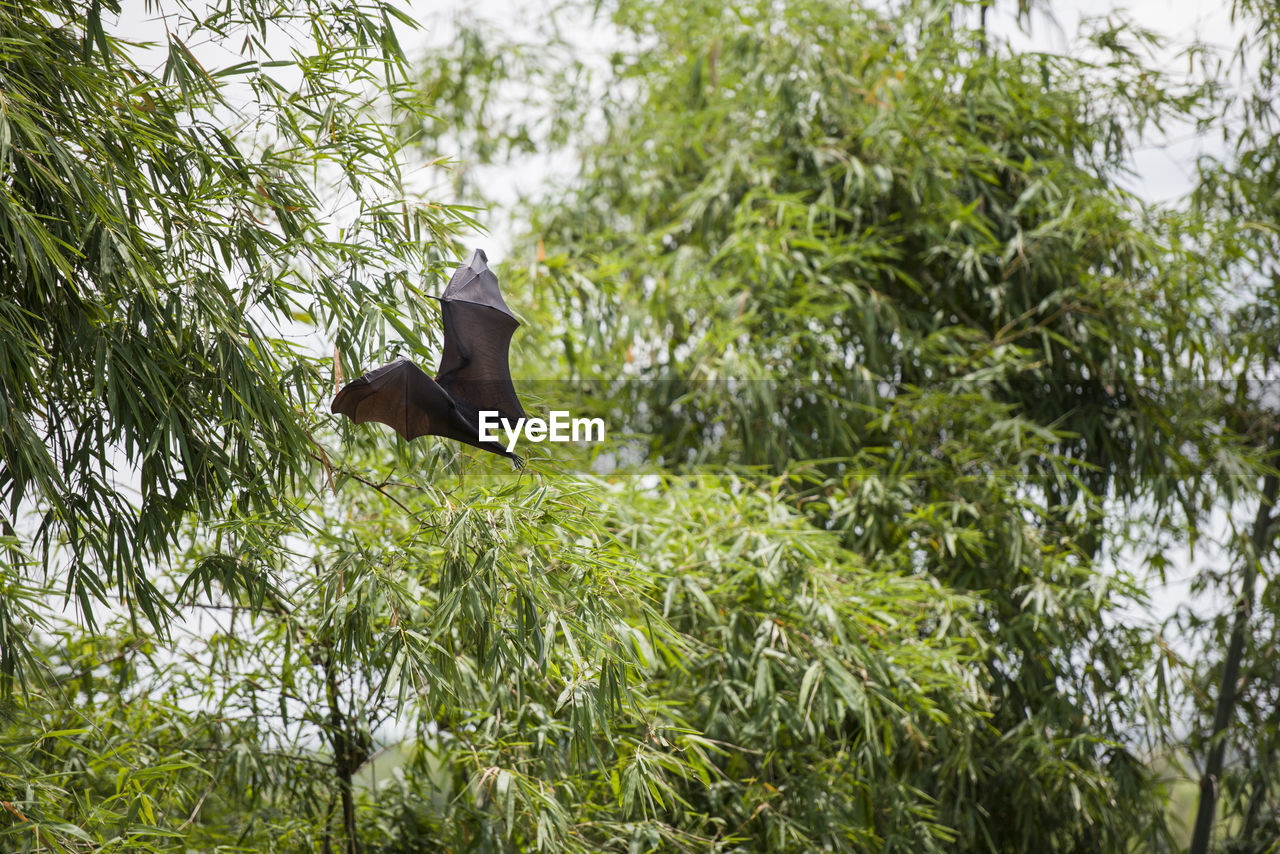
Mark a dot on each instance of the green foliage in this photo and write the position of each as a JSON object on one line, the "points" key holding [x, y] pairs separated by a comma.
{"points": [[558, 694], [161, 232], [858, 205], [1236, 687], [856, 250], [910, 369]]}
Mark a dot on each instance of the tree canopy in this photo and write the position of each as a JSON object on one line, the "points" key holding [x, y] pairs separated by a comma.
{"points": [[918, 404]]}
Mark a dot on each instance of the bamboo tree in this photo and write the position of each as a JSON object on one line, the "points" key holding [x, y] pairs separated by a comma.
{"points": [[163, 234], [1260, 540], [849, 250], [1236, 195], [854, 600]]}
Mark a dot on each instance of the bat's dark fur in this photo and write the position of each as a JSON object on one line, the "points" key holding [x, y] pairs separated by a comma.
{"points": [[474, 372]]}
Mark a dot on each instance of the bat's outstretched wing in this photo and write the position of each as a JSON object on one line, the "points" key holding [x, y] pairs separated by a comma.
{"points": [[400, 395], [403, 397], [474, 368]]}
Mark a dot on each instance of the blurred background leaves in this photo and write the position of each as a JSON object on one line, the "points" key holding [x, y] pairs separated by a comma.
{"points": [[926, 403]]}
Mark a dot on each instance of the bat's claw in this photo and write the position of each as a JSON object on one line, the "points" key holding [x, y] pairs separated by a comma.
{"points": [[517, 463]]}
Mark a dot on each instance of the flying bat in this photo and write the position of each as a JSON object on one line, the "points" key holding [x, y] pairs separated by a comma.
{"points": [[474, 373]]}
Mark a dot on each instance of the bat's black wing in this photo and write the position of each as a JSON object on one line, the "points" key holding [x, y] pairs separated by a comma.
{"points": [[474, 368], [402, 396]]}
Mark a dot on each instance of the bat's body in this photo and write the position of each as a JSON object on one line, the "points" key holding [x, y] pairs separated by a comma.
{"points": [[474, 373]]}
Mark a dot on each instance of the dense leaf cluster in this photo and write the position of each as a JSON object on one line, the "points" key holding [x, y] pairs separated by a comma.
{"points": [[160, 231], [922, 400]]}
